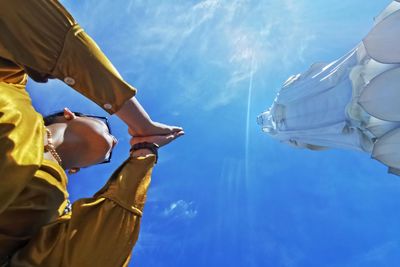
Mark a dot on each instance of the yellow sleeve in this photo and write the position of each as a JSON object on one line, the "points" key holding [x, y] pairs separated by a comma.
{"points": [[43, 38], [21, 142], [100, 231]]}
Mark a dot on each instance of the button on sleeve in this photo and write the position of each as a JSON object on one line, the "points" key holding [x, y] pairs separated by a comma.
{"points": [[107, 106], [83, 66], [70, 81]]}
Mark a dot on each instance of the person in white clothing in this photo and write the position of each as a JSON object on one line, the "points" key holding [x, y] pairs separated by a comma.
{"points": [[351, 103]]}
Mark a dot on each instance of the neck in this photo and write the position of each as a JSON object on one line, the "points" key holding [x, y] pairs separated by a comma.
{"points": [[66, 145], [56, 132]]}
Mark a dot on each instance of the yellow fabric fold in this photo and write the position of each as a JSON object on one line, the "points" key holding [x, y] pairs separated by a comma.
{"points": [[129, 184], [33, 32], [11, 73], [84, 66], [42, 38], [100, 231], [38, 204], [21, 142]]}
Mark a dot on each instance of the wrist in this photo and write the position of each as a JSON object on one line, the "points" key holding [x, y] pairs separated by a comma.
{"points": [[142, 152], [134, 115], [145, 148]]}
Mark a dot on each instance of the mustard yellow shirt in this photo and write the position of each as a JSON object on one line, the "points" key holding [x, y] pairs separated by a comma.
{"points": [[99, 231], [41, 39], [45, 41]]}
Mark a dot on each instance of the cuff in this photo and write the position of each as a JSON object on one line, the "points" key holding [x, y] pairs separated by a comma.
{"points": [[84, 67]]}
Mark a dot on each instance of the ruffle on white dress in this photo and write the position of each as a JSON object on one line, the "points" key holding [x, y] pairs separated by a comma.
{"points": [[352, 103]]}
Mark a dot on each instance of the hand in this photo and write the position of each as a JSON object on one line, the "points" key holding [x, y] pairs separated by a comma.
{"points": [[160, 140], [139, 122], [156, 128]]}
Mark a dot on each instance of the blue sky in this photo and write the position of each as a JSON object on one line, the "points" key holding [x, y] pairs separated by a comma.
{"points": [[226, 194]]}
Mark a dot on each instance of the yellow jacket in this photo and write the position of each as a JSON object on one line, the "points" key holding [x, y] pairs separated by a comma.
{"points": [[99, 231], [41, 39]]}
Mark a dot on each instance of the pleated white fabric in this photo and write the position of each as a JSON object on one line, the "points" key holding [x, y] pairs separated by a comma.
{"points": [[353, 102], [385, 148], [382, 41], [381, 96]]}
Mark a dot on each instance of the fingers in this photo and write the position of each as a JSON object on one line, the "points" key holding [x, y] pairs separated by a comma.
{"points": [[176, 129], [169, 138], [156, 128], [160, 140], [162, 129], [173, 135], [178, 133]]}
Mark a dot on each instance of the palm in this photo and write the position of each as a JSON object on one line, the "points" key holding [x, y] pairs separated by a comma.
{"points": [[160, 140], [156, 128]]}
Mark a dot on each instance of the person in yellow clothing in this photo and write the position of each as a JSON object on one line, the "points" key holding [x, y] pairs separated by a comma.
{"points": [[39, 229], [40, 39]]}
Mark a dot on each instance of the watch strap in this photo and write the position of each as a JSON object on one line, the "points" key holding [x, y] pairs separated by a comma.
{"points": [[153, 147]]}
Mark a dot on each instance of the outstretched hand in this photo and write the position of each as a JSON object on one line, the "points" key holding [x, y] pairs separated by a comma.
{"points": [[160, 140], [139, 122], [156, 128]]}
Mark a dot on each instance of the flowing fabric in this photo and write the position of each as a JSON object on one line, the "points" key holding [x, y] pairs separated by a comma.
{"points": [[99, 231], [350, 103], [41, 39]]}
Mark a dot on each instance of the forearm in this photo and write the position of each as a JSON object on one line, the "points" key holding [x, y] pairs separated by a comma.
{"points": [[134, 115], [100, 231], [129, 183], [140, 123], [48, 43]]}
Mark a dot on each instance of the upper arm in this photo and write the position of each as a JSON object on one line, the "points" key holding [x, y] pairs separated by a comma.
{"points": [[43, 38]]}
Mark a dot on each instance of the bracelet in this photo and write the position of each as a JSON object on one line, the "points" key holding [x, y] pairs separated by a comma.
{"points": [[153, 147]]}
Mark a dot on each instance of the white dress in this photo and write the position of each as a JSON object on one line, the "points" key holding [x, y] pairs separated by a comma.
{"points": [[353, 102]]}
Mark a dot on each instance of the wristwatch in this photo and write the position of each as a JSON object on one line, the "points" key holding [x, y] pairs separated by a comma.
{"points": [[153, 147]]}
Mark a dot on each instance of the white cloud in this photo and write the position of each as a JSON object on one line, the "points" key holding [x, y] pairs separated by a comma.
{"points": [[252, 38], [207, 46], [181, 209]]}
